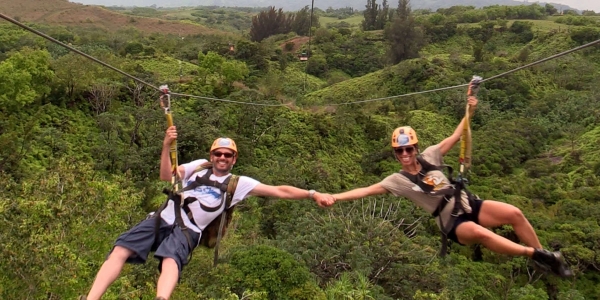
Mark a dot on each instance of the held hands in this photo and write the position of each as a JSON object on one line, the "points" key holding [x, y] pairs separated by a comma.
{"points": [[324, 200], [170, 136]]}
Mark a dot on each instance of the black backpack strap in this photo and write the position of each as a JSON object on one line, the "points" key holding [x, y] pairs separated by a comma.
{"points": [[452, 192], [205, 180], [418, 178]]}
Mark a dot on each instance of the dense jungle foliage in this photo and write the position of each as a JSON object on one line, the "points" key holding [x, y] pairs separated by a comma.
{"points": [[80, 144]]}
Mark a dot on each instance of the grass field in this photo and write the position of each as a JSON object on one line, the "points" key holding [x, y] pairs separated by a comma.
{"points": [[541, 25], [182, 14], [355, 20]]}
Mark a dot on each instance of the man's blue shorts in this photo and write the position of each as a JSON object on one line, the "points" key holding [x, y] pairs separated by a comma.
{"points": [[171, 242]]}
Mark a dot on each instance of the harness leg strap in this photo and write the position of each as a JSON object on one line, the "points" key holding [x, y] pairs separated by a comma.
{"points": [[448, 227], [179, 222]]}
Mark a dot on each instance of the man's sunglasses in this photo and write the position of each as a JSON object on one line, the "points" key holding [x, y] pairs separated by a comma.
{"points": [[401, 150], [226, 154]]}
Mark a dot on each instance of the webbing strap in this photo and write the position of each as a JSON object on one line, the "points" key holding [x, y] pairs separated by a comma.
{"points": [[179, 222], [230, 191], [454, 191], [227, 188], [206, 181], [448, 226]]}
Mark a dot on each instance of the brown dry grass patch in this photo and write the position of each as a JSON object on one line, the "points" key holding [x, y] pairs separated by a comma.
{"points": [[62, 12], [298, 42]]}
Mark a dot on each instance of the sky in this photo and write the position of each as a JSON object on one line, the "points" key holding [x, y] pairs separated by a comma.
{"points": [[579, 4]]}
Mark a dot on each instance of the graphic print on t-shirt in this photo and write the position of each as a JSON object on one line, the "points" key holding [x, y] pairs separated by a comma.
{"points": [[436, 179], [205, 194], [206, 190]]}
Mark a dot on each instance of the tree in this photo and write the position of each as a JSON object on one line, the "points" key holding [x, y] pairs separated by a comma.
{"points": [[233, 71], [270, 22], [133, 48], [271, 270], [302, 21], [354, 286], [370, 14], [222, 72], [317, 65], [101, 96], [383, 15], [404, 36], [24, 77], [522, 30], [583, 35], [550, 9]]}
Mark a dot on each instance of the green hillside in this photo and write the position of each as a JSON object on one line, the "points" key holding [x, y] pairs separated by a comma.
{"points": [[80, 150]]}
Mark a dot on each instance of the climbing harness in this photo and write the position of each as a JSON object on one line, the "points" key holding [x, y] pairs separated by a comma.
{"points": [[211, 234], [216, 229], [458, 184]]}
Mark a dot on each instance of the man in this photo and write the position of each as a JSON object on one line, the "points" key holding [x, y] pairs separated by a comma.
{"points": [[436, 195], [172, 246]]}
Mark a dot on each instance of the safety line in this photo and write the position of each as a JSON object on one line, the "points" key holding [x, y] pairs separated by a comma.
{"points": [[399, 96], [273, 105], [466, 84], [542, 60], [9, 19]]}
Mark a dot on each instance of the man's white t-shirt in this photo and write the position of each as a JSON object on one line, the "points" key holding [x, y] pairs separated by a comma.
{"points": [[209, 196]]}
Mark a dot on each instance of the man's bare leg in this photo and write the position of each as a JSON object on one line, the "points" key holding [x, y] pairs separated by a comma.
{"points": [[109, 272]]}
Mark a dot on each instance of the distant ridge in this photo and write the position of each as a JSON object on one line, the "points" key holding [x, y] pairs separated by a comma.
{"points": [[295, 5]]}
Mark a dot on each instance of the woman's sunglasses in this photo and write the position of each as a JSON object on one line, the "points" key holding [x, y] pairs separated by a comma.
{"points": [[401, 150]]}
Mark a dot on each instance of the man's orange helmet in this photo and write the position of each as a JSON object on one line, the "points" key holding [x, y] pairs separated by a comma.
{"points": [[224, 143], [404, 136]]}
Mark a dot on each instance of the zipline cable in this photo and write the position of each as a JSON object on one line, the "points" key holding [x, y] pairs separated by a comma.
{"points": [[400, 96], [272, 105], [37, 32], [466, 84], [9, 19], [542, 60]]}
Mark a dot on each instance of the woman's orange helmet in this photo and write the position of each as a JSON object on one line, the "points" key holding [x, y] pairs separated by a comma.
{"points": [[224, 143], [404, 136]]}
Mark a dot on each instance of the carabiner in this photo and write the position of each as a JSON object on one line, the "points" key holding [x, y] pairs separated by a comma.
{"points": [[165, 98]]}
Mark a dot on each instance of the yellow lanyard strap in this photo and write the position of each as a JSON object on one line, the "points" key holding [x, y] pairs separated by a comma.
{"points": [[165, 104], [465, 139]]}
